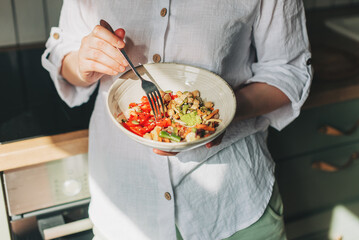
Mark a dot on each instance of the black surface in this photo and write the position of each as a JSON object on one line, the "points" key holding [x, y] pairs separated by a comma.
{"points": [[29, 103]]}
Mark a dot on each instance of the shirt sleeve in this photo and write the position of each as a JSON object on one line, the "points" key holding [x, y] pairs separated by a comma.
{"points": [[64, 39], [283, 55]]}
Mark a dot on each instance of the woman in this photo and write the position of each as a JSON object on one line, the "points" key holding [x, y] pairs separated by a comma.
{"points": [[221, 191]]}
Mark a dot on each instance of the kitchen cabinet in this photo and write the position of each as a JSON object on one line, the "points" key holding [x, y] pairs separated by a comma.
{"points": [[305, 135], [317, 172]]}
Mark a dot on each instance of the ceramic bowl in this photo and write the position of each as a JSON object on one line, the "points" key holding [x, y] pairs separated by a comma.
{"points": [[175, 77]]}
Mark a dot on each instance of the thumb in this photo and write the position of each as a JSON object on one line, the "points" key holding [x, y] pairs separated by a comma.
{"points": [[120, 33]]}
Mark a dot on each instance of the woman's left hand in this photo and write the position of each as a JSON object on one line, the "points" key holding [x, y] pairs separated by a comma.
{"points": [[213, 143]]}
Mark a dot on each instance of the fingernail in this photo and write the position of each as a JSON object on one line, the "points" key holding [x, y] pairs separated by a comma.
{"points": [[120, 44]]}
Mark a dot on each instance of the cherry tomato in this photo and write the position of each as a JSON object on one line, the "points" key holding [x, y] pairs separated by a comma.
{"points": [[144, 99], [131, 105]]}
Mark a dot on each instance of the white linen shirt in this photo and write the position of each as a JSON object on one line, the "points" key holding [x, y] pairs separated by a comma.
{"points": [[214, 192]]}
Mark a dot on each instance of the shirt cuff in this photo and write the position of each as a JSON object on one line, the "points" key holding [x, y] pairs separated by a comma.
{"points": [[58, 46], [236, 131], [292, 81]]}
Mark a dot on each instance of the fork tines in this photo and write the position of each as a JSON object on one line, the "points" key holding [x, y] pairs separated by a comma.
{"points": [[156, 102]]}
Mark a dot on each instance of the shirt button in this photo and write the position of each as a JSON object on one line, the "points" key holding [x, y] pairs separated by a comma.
{"points": [[163, 12], [168, 196], [56, 36], [156, 58]]}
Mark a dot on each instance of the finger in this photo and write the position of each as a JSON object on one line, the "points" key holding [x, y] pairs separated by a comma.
{"points": [[163, 153], [109, 37], [108, 49], [100, 57], [210, 144], [93, 66], [120, 33], [215, 142]]}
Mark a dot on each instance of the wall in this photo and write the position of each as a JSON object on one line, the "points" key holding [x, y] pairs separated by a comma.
{"points": [[26, 22]]}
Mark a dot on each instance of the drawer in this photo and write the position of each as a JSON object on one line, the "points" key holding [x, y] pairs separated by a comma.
{"points": [[306, 190], [302, 135]]}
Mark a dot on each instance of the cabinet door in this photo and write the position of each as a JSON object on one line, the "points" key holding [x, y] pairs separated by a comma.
{"points": [[7, 28], [303, 136], [306, 190]]}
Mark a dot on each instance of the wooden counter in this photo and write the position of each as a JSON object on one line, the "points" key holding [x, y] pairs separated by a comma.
{"points": [[335, 59], [43, 149]]}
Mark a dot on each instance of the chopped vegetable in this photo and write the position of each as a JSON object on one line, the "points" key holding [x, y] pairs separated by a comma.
{"points": [[172, 137], [184, 109], [175, 130], [205, 127], [187, 118], [191, 119], [212, 114]]}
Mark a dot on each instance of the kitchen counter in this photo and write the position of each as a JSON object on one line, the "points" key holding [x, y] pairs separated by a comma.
{"points": [[42, 149], [335, 59]]}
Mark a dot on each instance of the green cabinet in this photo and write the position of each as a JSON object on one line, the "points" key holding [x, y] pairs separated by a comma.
{"points": [[306, 189], [302, 136], [312, 194]]}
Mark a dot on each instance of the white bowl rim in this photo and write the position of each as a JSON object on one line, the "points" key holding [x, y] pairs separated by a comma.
{"points": [[172, 145]]}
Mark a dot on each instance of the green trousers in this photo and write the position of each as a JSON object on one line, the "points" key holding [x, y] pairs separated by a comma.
{"points": [[269, 227]]}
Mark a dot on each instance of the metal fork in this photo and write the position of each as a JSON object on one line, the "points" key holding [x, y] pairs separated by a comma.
{"points": [[152, 92]]}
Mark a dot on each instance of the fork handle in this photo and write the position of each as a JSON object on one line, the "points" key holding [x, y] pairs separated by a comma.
{"points": [[106, 25], [130, 63]]}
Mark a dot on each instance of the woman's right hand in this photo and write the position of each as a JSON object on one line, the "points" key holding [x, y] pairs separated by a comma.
{"points": [[96, 57]]}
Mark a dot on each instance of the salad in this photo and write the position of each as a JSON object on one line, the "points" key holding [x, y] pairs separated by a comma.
{"points": [[187, 118]]}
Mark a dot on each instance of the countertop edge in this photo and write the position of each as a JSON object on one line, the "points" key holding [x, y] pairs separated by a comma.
{"points": [[330, 96], [43, 149]]}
